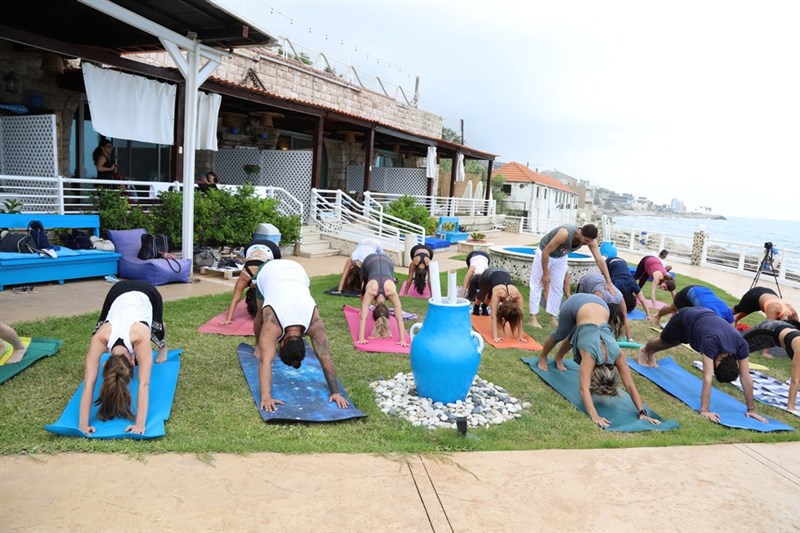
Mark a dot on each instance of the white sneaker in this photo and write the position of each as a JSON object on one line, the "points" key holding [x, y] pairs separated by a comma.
{"points": [[50, 252]]}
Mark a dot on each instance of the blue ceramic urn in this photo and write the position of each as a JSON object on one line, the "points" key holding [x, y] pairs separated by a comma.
{"points": [[445, 351]]}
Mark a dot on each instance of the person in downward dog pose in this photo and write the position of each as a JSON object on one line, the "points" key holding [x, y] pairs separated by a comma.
{"points": [[505, 301], [421, 255], [130, 319], [289, 313], [380, 286], [477, 263]]}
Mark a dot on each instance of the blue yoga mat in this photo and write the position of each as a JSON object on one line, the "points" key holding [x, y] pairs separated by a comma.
{"points": [[304, 390], [636, 314], [163, 380], [619, 410], [37, 349], [687, 387]]}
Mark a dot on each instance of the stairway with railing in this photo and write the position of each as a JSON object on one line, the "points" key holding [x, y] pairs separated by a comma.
{"points": [[337, 214]]}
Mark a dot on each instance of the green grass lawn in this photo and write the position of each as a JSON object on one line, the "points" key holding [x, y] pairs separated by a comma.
{"points": [[214, 410]]}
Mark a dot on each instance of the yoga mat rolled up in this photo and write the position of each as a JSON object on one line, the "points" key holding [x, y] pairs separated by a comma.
{"points": [[619, 410], [163, 380], [37, 349], [483, 325], [629, 344], [687, 387], [351, 294], [351, 314], [241, 322], [304, 390]]}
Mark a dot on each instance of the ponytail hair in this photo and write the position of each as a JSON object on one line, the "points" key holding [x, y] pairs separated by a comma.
{"points": [[115, 398], [420, 279], [251, 299], [616, 319], [472, 289], [381, 330], [604, 381], [354, 281]]}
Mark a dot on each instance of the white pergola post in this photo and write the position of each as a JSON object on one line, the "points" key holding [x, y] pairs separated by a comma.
{"points": [[194, 74]]}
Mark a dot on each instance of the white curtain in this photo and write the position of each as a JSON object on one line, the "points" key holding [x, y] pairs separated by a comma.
{"points": [[460, 176], [130, 107], [430, 169], [207, 115]]}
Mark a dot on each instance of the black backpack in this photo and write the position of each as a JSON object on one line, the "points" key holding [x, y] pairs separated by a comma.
{"points": [[153, 246], [19, 243], [39, 235], [76, 239]]}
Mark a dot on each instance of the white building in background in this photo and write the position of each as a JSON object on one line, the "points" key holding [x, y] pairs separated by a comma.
{"points": [[677, 206], [542, 200]]}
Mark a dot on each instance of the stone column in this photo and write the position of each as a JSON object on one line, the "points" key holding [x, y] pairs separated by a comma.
{"points": [[698, 241]]}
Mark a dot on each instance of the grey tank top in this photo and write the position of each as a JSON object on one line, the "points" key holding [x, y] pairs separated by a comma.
{"points": [[565, 248]]}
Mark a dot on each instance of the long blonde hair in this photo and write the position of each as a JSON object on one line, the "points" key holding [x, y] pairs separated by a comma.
{"points": [[115, 398], [381, 330]]}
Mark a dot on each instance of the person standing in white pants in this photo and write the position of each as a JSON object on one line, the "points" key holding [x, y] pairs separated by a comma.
{"points": [[549, 267]]}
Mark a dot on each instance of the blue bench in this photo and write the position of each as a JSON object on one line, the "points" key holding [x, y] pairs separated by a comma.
{"points": [[450, 236], [22, 269]]}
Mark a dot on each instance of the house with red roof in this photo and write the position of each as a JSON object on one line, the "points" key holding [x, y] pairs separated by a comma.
{"points": [[542, 201]]}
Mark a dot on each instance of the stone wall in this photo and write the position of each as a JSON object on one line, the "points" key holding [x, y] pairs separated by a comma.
{"points": [[293, 80], [37, 71]]}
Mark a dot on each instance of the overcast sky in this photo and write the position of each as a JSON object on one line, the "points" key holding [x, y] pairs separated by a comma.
{"points": [[697, 100]]}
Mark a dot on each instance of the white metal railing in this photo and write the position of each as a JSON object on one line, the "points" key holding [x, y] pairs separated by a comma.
{"points": [[679, 246], [747, 257], [438, 205], [287, 203], [74, 195], [336, 213]]}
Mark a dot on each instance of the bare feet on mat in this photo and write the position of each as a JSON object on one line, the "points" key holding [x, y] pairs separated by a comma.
{"points": [[542, 364], [17, 355], [644, 358], [560, 365]]}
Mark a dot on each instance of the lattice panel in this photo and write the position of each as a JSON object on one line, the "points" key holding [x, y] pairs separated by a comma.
{"points": [[229, 163], [28, 148], [397, 180], [291, 170], [29, 145], [355, 178], [393, 180]]}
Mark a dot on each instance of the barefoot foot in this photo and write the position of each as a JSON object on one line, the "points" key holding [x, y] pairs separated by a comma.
{"points": [[542, 364], [534, 323], [17, 355]]}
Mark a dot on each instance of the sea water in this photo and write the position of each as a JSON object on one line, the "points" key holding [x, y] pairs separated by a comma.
{"points": [[784, 234]]}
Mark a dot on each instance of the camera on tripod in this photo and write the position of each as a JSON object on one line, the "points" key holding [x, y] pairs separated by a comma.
{"points": [[768, 246]]}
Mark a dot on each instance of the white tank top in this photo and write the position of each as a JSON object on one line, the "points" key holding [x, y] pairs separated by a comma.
{"points": [[127, 309], [285, 286], [364, 248], [480, 263]]}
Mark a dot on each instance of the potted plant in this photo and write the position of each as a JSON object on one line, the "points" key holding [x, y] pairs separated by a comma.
{"points": [[251, 170], [448, 226], [477, 236]]}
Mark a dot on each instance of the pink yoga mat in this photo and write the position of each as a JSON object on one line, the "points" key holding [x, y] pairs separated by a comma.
{"points": [[374, 345], [413, 291], [242, 323]]}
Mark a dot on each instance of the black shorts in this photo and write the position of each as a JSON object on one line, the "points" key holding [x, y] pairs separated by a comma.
{"points": [[681, 299], [157, 332], [749, 302]]}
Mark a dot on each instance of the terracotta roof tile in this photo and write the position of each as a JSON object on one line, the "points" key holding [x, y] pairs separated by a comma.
{"points": [[517, 173]]}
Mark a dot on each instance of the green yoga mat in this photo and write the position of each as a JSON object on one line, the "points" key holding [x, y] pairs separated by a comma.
{"points": [[38, 348], [619, 410]]}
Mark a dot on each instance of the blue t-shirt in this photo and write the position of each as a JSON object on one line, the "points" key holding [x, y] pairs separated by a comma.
{"points": [[706, 332], [621, 275], [704, 297]]}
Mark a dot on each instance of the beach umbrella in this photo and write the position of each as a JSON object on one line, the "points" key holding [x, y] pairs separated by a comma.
{"points": [[478, 191], [467, 190]]}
